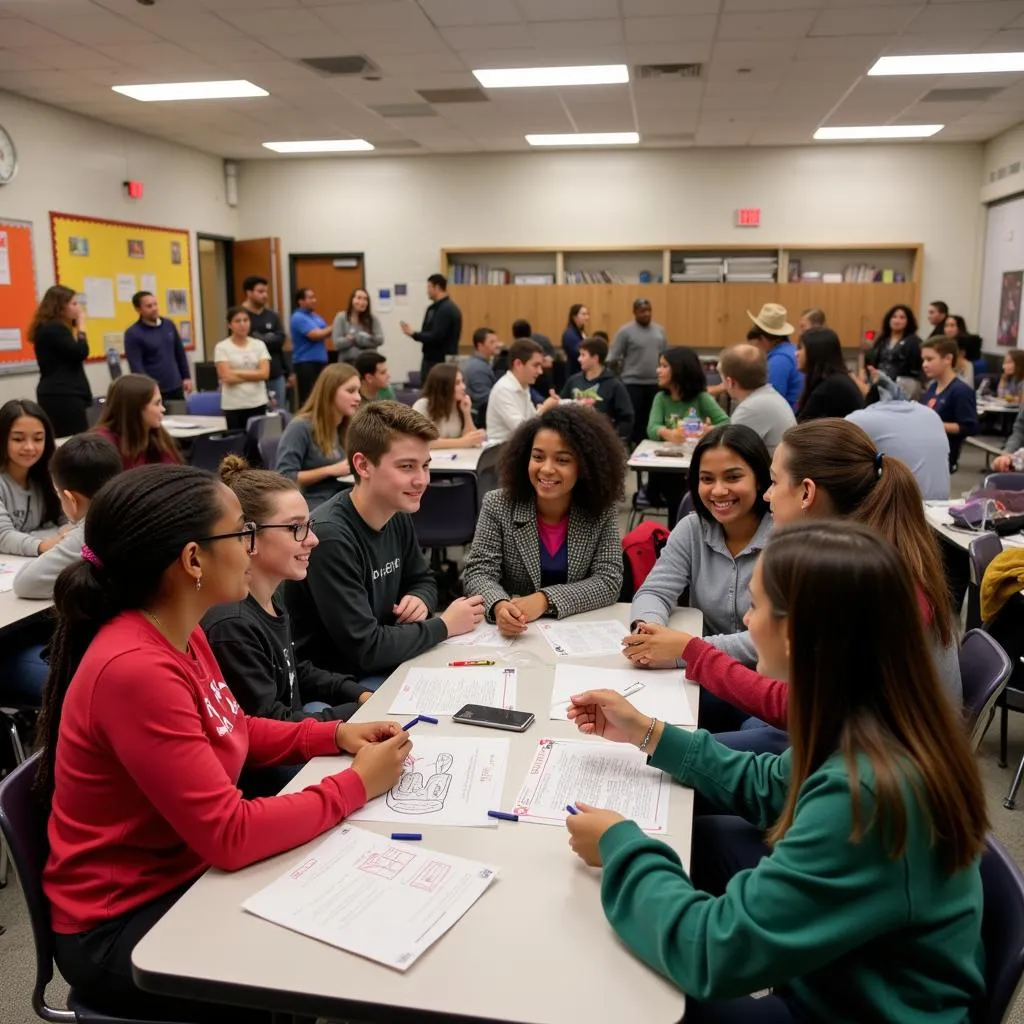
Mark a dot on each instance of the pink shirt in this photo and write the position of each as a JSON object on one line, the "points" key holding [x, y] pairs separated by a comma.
{"points": [[552, 537]]}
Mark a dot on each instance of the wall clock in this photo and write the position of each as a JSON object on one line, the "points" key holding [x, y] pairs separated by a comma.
{"points": [[8, 157]]}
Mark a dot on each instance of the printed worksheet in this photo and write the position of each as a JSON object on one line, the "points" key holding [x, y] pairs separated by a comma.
{"points": [[443, 691], [382, 900], [584, 639], [445, 781], [8, 570], [613, 776], [659, 694], [485, 635]]}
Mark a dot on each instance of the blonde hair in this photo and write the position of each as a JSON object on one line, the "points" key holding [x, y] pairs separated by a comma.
{"points": [[321, 411]]}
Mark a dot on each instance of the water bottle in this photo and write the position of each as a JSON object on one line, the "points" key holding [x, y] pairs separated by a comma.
{"points": [[986, 388], [692, 430]]}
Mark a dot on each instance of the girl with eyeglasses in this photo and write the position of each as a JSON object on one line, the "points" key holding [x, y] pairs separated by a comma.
{"points": [[143, 741]]}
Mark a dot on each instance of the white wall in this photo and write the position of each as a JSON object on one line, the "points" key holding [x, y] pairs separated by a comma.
{"points": [[1003, 154], [1004, 250], [74, 164], [401, 211]]}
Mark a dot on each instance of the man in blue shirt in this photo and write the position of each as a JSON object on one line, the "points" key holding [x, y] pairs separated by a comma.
{"points": [[771, 333], [952, 398], [309, 346], [152, 346]]}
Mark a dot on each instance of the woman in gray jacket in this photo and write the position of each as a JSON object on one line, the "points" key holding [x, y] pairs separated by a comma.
{"points": [[548, 542], [356, 330]]}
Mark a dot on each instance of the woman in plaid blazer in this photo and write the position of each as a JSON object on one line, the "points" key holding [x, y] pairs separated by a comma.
{"points": [[548, 542]]}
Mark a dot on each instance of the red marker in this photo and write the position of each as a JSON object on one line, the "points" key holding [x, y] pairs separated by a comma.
{"points": [[468, 664]]}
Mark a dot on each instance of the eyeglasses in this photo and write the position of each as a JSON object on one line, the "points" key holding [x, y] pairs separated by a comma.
{"points": [[248, 531], [300, 531]]}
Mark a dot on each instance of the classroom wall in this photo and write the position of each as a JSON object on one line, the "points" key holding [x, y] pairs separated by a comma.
{"points": [[75, 164], [401, 211], [1003, 165], [1004, 251]]}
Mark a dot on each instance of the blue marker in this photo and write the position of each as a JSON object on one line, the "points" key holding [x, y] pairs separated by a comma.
{"points": [[409, 725], [503, 815], [406, 835], [427, 718], [571, 809]]}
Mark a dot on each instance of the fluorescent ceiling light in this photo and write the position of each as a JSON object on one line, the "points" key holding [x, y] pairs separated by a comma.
{"points": [[321, 146], [879, 131], [948, 64], [191, 91], [586, 139], [521, 78]]}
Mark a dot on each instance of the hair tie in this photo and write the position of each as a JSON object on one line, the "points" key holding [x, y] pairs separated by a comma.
{"points": [[91, 557], [879, 458]]}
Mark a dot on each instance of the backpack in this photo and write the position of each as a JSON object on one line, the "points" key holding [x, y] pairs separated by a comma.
{"points": [[640, 550]]}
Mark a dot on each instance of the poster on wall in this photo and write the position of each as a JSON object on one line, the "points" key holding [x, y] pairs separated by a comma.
{"points": [[1009, 308]]}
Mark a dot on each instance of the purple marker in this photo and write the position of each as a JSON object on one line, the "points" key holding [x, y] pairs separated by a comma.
{"points": [[427, 718], [409, 725], [571, 809]]}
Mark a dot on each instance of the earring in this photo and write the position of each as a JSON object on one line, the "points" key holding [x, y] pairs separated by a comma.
{"points": [[199, 583]]}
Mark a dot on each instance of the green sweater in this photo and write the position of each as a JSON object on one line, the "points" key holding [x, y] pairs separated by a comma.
{"points": [[664, 408], [854, 935]]}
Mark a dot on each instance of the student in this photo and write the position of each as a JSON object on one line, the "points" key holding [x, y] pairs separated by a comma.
{"points": [[756, 404], [374, 377], [132, 421], [478, 371], [57, 333], [1004, 463], [548, 542], [829, 390], [810, 319], [243, 369], [251, 639], [142, 783], [312, 448], [366, 604], [28, 502], [937, 313], [357, 330], [153, 346], [310, 332], [265, 324], [597, 386], [442, 326], [509, 403], [546, 381], [969, 346], [868, 903], [445, 403], [635, 353], [896, 351], [1011, 384], [575, 332], [949, 396], [771, 332]]}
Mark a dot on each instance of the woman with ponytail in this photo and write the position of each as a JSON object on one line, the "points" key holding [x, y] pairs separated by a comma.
{"points": [[143, 741]]}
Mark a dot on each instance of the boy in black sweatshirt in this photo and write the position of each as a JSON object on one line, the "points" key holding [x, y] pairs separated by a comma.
{"points": [[366, 603], [600, 388]]}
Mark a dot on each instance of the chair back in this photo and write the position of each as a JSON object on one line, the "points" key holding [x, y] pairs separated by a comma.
{"points": [[981, 550], [984, 670], [268, 451], [204, 403], [1002, 932], [447, 512], [487, 470], [413, 379], [206, 376], [208, 450], [685, 506], [1005, 481], [176, 407], [407, 396], [270, 424], [114, 363]]}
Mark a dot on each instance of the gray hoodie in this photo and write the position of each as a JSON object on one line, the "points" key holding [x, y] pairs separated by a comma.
{"points": [[21, 512], [35, 579]]}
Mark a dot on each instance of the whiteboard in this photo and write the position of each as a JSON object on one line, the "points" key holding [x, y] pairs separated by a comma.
{"points": [[1004, 250]]}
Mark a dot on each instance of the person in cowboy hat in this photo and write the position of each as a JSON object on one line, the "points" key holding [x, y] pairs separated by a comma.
{"points": [[772, 332]]}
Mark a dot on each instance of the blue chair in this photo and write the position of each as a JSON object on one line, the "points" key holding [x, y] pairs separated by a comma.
{"points": [[984, 671], [208, 451], [447, 514], [1002, 932], [1005, 481], [204, 403], [413, 380], [23, 818]]}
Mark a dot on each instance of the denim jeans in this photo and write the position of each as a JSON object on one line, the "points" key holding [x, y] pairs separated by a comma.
{"points": [[277, 386]]}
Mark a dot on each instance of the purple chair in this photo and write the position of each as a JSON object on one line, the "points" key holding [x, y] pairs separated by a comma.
{"points": [[984, 671], [268, 451], [204, 403], [407, 396], [1002, 932], [981, 550], [208, 450], [1005, 481]]}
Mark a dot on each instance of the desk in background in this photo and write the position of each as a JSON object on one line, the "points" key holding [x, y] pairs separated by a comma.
{"points": [[644, 458], [937, 514], [519, 954], [16, 611], [185, 428]]}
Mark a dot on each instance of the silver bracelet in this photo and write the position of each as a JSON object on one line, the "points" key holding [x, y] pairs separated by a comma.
{"points": [[647, 738]]}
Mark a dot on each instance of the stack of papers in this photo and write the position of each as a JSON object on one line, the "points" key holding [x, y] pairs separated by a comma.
{"points": [[443, 691], [583, 639], [657, 694], [485, 635]]}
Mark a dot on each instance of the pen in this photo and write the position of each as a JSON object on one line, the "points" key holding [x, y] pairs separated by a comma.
{"points": [[409, 725], [568, 807], [427, 718], [406, 835], [503, 815], [469, 664]]}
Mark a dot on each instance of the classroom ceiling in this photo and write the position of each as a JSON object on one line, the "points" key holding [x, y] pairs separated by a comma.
{"points": [[772, 71]]}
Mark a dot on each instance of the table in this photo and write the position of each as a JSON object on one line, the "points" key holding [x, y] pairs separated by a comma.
{"points": [[988, 446], [515, 956], [644, 458], [937, 514], [187, 427], [997, 406], [16, 611]]}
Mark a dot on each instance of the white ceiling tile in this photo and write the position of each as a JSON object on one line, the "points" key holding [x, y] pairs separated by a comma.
{"points": [[164, 57], [955, 16], [770, 5], [724, 134], [23, 60], [1007, 41], [605, 32], [567, 10], [99, 27], [770, 25], [538, 57], [397, 43], [668, 53], [955, 42], [391, 16], [320, 44], [249, 5], [737, 55], [877, 20], [668, 94], [422, 63], [868, 47], [265, 24], [18, 33], [664, 30], [462, 12], [487, 37], [653, 8], [221, 50]]}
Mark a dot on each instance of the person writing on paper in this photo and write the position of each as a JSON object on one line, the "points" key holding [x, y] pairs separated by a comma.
{"points": [[243, 369], [143, 741], [548, 542], [864, 900], [57, 333], [153, 346], [447, 405], [510, 403], [132, 421]]}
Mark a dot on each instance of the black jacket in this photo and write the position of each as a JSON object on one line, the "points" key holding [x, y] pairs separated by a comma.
{"points": [[834, 395], [901, 360], [615, 401], [61, 356], [442, 325], [266, 325], [256, 655]]}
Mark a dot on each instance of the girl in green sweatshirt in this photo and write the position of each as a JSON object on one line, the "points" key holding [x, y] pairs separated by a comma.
{"points": [[866, 903]]}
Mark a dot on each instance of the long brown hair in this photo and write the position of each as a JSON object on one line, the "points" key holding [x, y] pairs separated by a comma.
{"points": [[366, 317], [881, 493], [320, 410], [51, 308], [1017, 355], [829, 579], [122, 417], [439, 391]]}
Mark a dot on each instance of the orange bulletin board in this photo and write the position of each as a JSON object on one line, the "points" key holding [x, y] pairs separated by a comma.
{"points": [[107, 261], [18, 298]]}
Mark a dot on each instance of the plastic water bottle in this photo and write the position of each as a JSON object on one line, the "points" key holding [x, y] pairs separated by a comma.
{"points": [[986, 388], [692, 426]]}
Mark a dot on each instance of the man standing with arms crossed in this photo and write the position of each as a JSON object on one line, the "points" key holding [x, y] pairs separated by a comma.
{"points": [[153, 346], [310, 332], [442, 325], [638, 345], [265, 325]]}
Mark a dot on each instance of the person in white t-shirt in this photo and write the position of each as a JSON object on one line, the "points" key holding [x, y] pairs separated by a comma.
{"points": [[509, 403], [243, 368]]}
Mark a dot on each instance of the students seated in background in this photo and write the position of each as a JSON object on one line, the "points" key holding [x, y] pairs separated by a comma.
{"points": [[937, 313], [142, 784], [1011, 383], [597, 386], [829, 390], [356, 330], [948, 395], [810, 319], [477, 369], [243, 369], [548, 542], [744, 372], [575, 332], [546, 381], [132, 421], [445, 403], [1004, 463], [28, 502], [374, 377], [896, 351], [509, 403], [867, 904], [312, 449], [367, 602], [955, 327], [771, 332]]}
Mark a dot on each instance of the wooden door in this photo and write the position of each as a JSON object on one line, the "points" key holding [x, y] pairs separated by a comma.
{"points": [[260, 257], [333, 278]]}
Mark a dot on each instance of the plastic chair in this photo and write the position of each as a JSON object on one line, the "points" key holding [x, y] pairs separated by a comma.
{"points": [[205, 376], [984, 669], [176, 407], [413, 379], [447, 514], [208, 450], [487, 471], [981, 550], [406, 395], [93, 411], [114, 363], [685, 506], [1005, 481], [23, 818], [268, 451], [1002, 932], [204, 403]]}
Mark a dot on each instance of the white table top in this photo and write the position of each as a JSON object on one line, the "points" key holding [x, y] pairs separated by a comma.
{"points": [[997, 405], [183, 427], [517, 955], [449, 460], [986, 444], [644, 457], [16, 609], [937, 514]]}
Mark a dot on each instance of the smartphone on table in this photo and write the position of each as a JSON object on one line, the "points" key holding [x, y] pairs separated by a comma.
{"points": [[494, 718]]}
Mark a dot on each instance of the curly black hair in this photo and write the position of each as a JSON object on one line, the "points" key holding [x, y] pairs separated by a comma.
{"points": [[590, 435]]}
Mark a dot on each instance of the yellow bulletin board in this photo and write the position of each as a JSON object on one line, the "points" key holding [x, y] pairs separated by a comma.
{"points": [[107, 261]]}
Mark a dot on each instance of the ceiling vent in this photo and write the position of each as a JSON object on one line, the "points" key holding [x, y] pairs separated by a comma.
{"points": [[354, 66], [453, 95], [655, 72], [405, 110], [961, 95], [397, 144]]}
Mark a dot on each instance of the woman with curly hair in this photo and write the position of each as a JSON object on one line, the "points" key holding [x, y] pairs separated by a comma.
{"points": [[548, 542]]}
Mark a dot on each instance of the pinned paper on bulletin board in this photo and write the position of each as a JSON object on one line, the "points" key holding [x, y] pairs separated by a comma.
{"points": [[18, 298], [401, 295], [384, 303]]}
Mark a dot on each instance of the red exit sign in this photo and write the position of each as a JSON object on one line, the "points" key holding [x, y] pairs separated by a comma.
{"points": [[749, 217]]}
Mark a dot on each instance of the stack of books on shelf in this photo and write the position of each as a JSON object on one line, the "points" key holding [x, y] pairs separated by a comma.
{"points": [[751, 269], [863, 273], [704, 269], [593, 277], [473, 273]]}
